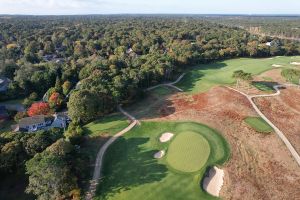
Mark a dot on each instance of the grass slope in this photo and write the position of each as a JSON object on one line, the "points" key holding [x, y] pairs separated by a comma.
{"points": [[188, 152], [109, 125], [131, 173], [258, 124], [98, 132], [201, 78]]}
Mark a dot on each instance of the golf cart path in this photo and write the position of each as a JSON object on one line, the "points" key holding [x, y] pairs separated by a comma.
{"points": [[172, 84], [99, 160], [277, 131]]}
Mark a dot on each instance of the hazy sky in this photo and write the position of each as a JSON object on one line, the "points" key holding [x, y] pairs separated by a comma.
{"points": [[149, 6]]}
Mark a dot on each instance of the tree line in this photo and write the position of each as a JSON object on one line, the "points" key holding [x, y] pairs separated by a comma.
{"points": [[116, 57]]}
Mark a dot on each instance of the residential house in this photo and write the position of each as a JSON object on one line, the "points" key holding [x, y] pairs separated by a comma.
{"points": [[4, 82], [42, 122], [35, 123]]}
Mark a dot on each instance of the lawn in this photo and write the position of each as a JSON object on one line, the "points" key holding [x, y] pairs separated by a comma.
{"points": [[97, 133], [108, 125], [131, 173], [203, 77], [258, 124]]}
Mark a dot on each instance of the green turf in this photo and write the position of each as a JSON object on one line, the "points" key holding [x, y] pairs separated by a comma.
{"points": [[258, 124], [188, 152], [203, 77], [131, 173], [263, 86], [109, 125]]}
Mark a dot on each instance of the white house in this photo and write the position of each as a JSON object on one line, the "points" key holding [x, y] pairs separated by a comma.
{"points": [[35, 123], [42, 122]]}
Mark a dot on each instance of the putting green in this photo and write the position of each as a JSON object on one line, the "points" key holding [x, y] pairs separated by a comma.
{"points": [[188, 152], [130, 172]]}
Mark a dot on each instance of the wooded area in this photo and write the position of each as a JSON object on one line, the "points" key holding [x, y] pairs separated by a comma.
{"points": [[89, 65]]}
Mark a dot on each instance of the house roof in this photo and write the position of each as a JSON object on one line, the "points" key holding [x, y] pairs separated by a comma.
{"points": [[38, 119]]}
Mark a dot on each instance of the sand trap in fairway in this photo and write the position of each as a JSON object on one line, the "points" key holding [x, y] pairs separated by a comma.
{"points": [[159, 154], [166, 137], [295, 63], [275, 65], [214, 182]]}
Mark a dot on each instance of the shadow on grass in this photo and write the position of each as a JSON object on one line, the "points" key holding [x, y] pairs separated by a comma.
{"points": [[190, 79], [126, 165], [153, 105], [265, 85]]}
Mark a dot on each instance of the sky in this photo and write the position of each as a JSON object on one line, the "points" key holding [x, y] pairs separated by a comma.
{"points": [[72, 7]]}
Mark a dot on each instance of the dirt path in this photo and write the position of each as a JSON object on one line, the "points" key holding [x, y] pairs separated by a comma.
{"points": [[277, 131], [99, 160], [172, 84]]}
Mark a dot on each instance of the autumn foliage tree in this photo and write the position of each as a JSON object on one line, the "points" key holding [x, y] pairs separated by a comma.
{"points": [[55, 100], [40, 108]]}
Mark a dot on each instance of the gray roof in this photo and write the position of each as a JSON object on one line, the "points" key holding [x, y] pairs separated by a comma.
{"points": [[38, 119]]}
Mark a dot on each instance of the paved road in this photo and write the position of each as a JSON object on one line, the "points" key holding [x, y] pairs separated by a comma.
{"points": [[277, 131], [14, 106], [172, 84], [99, 160]]}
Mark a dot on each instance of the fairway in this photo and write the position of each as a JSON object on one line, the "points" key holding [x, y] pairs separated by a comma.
{"points": [[258, 124], [130, 171], [203, 77], [188, 152]]}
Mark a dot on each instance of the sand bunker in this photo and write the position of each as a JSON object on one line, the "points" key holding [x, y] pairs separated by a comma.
{"points": [[275, 65], [166, 137], [159, 154], [295, 63], [214, 182]]}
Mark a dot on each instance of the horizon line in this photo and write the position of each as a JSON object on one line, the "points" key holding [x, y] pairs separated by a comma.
{"points": [[203, 14]]}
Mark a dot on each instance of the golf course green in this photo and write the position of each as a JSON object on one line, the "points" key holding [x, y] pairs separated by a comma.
{"points": [[130, 171], [203, 77], [188, 152]]}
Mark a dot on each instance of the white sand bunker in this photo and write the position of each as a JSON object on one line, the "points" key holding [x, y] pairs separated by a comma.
{"points": [[166, 137], [159, 154], [275, 65], [214, 182], [295, 63]]}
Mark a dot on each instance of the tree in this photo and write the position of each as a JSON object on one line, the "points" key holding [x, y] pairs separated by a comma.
{"points": [[74, 134], [37, 142], [40, 108], [49, 174], [58, 86], [55, 100], [66, 87], [32, 97], [10, 157], [85, 105], [241, 75]]}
